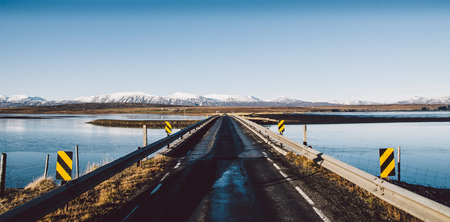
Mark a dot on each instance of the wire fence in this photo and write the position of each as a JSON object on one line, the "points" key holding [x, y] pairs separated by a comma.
{"points": [[422, 162]]}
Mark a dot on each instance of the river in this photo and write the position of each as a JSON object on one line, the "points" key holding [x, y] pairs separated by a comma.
{"points": [[425, 147], [27, 141]]}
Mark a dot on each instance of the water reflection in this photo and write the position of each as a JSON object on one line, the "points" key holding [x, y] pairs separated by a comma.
{"points": [[28, 141], [425, 148]]}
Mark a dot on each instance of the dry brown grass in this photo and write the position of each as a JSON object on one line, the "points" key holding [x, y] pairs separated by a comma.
{"points": [[15, 197], [307, 166], [96, 202], [112, 193]]}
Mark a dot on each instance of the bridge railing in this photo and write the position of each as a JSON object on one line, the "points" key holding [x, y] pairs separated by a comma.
{"points": [[46, 203], [412, 203]]}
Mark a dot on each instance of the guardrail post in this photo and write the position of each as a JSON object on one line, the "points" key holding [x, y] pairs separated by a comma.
{"points": [[304, 136], [3, 175], [46, 166], [77, 163], [138, 163]]}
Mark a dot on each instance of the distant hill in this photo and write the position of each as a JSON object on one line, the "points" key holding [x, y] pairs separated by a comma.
{"points": [[186, 99]]}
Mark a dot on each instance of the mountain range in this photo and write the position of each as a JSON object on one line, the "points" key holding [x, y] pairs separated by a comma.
{"points": [[187, 99]]}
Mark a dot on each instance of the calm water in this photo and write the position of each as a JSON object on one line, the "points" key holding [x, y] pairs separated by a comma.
{"points": [[28, 141], [425, 147]]}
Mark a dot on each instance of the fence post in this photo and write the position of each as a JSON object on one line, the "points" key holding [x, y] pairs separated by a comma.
{"points": [[304, 136], [77, 163], [145, 135], [398, 164], [2, 176], [46, 166]]}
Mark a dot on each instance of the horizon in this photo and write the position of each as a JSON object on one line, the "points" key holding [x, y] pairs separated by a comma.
{"points": [[215, 97], [324, 50]]}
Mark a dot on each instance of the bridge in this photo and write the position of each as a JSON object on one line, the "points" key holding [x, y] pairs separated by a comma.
{"points": [[231, 169]]}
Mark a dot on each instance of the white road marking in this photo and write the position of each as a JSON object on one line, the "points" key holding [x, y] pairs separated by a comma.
{"points": [[178, 165], [131, 213], [321, 215], [285, 176], [164, 177], [156, 189], [304, 195], [319, 212], [276, 166]]}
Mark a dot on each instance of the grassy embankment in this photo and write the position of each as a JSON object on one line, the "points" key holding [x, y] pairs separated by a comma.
{"points": [[385, 210], [97, 202]]}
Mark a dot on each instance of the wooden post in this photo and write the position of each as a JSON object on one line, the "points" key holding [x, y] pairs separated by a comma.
{"points": [[304, 136], [398, 164], [145, 135], [3, 175], [77, 163], [46, 166]]}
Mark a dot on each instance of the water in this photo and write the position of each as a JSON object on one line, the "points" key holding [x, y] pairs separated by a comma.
{"points": [[425, 147], [28, 141]]}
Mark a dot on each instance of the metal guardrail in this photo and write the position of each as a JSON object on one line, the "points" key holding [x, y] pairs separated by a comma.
{"points": [[412, 203], [46, 203]]}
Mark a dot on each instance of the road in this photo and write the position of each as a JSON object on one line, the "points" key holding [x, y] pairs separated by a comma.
{"points": [[230, 176]]}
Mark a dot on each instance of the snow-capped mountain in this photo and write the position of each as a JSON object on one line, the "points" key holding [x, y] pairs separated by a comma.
{"points": [[421, 100], [232, 98], [20, 100], [196, 99], [130, 97], [187, 99], [354, 102]]}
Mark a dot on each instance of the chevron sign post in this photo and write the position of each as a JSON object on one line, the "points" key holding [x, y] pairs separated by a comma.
{"points": [[281, 127], [168, 128]]}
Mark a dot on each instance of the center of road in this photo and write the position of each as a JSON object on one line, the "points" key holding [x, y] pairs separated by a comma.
{"points": [[228, 176]]}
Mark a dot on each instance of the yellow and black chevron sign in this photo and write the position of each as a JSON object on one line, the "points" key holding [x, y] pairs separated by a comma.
{"points": [[387, 162], [281, 126], [64, 165], [168, 128]]}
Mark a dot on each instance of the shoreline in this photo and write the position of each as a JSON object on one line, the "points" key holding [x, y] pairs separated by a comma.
{"points": [[151, 124], [304, 119]]}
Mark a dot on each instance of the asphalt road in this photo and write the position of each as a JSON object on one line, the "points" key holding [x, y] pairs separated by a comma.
{"points": [[230, 176]]}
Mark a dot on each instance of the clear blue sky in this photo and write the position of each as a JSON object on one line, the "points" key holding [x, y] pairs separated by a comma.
{"points": [[378, 50]]}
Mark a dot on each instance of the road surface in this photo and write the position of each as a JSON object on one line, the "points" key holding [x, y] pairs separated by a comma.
{"points": [[230, 176]]}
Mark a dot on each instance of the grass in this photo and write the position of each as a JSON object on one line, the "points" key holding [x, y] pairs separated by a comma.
{"points": [[15, 197], [389, 212], [97, 202], [112, 193]]}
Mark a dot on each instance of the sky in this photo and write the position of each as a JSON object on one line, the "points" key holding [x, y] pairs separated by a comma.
{"points": [[321, 50]]}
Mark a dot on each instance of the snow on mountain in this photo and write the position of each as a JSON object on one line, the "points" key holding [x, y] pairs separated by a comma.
{"points": [[282, 99], [354, 102], [130, 97], [21, 100], [423, 100], [188, 97], [232, 98]]}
